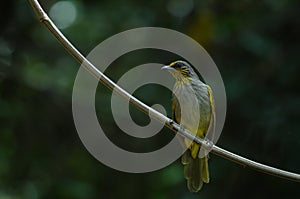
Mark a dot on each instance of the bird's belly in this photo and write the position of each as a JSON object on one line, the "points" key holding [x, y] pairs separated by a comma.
{"points": [[188, 113], [192, 113]]}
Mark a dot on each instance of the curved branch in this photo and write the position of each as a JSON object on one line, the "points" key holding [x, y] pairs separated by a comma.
{"points": [[43, 17]]}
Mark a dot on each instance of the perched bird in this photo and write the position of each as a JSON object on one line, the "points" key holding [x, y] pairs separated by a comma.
{"points": [[193, 108]]}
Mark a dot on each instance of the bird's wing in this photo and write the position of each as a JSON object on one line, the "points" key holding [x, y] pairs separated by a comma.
{"points": [[175, 116], [174, 99], [212, 125]]}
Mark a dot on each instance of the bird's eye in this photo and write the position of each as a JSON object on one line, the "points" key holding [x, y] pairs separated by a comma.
{"points": [[179, 65]]}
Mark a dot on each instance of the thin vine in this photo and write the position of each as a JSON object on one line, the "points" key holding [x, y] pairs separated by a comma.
{"points": [[43, 17]]}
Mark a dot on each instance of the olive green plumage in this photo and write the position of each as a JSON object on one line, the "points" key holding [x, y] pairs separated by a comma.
{"points": [[193, 108]]}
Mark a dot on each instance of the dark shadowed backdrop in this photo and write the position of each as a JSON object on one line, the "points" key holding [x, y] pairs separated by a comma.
{"points": [[255, 44]]}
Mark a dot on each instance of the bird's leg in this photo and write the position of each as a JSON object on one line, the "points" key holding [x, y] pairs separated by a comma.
{"points": [[207, 147], [181, 128], [186, 143]]}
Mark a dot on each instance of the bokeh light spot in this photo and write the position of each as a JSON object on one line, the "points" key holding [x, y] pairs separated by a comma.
{"points": [[180, 8], [63, 14]]}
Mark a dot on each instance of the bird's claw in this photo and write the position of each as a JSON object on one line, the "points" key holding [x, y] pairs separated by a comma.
{"points": [[208, 144]]}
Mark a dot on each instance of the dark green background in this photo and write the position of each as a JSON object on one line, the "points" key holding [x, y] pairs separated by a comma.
{"points": [[255, 45]]}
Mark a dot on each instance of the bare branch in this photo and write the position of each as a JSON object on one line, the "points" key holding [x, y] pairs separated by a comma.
{"points": [[43, 17]]}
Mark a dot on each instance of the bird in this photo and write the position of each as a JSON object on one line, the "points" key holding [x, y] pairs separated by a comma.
{"points": [[196, 100]]}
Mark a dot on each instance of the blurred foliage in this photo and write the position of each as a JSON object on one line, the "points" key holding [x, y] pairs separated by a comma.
{"points": [[255, 45]]}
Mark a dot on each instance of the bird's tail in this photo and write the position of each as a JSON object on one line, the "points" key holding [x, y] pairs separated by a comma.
{"points": [[195, 171]]}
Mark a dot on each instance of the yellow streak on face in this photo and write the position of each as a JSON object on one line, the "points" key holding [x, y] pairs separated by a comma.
{"points": [[173, 63]]}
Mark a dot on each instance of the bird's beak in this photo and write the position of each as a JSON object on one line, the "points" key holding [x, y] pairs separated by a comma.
{"points": [[167, 68]]}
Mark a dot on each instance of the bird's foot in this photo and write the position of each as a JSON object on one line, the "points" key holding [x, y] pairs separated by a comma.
{"points": [[208, 144], [181, 128]]}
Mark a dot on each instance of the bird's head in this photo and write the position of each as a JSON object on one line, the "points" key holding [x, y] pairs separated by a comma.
{"points": [[181, 70]]}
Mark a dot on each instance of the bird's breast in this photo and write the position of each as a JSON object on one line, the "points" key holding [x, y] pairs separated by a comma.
{"points": [[192, 107]]}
